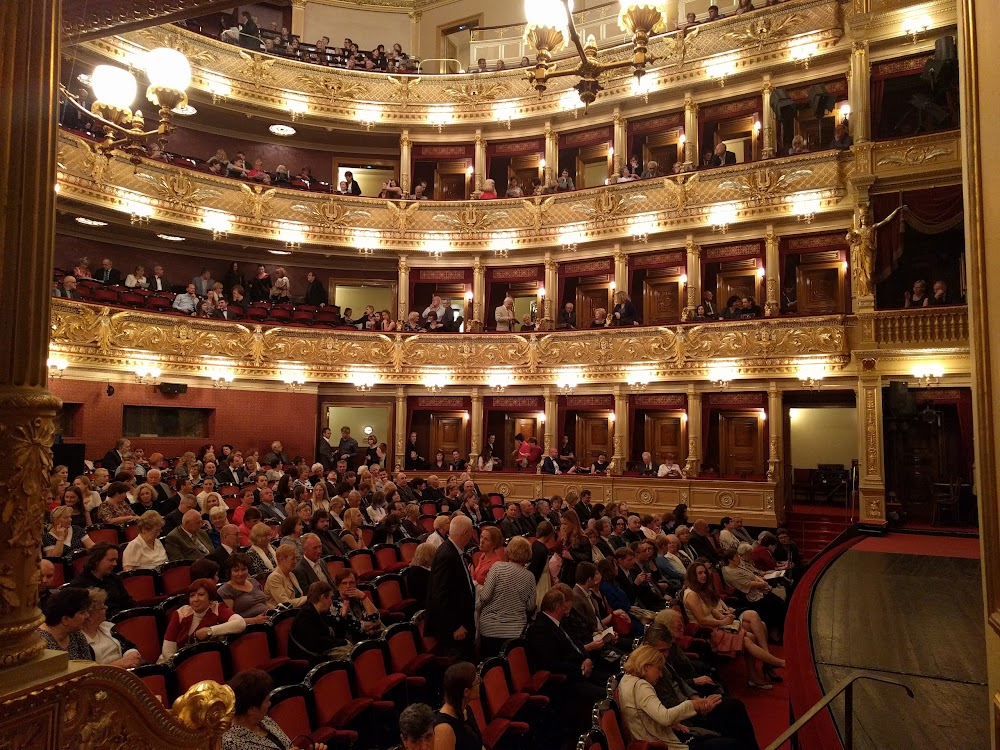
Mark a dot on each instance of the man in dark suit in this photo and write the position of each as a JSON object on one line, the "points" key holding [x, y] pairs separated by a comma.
{"points": [[324, 451], [353, 188], [113, 458], [108, 274], [633, 532], [157, 283], [509, 525], [311, 568], [708, 302], [315, 632], [583, 507], [268, 508], [722, 156], [551, 648], [233, 472], [165, 502], [189, 541], [702, 542], [229, 537], [173, 519], [451, 595]]}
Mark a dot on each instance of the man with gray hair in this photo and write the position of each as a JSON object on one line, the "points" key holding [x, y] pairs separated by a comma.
{"points": [[173, 519], [189, 541], [416, 727], [451, 594], [505, 315], [311, 568]]}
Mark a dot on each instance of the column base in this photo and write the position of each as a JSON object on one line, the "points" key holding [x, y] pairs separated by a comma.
{"points": [[872, 506]]}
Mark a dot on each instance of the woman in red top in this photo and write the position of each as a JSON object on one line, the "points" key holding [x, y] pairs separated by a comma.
{"points": [[489, 191], [203, 617], [491, 547]]}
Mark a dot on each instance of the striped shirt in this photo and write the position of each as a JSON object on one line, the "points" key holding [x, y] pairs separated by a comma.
{"points": [[506, 600]]}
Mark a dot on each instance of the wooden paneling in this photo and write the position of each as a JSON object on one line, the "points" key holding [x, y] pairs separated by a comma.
{"points": [[741, 443], [589, 298], [662, 300], [820, 287], [737, 283], [665, 433], [448, 433], [592, 438]]}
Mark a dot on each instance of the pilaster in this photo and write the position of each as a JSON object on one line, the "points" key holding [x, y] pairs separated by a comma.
{"points": [[622, 431], [692, 466], [775, 433], [768, 131], [693, 271], [620, 140], [551, 154], [621, 268], [772, 272], [478, 294], [690, 132], [872, 477], [405, 161], [551, 290], [858, 91], [479, 163], [299, 18], [551, 415], [400, 427], [403, 294], [476, 425]]}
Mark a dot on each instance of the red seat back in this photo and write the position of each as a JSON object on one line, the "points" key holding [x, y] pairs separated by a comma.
{"points": [[175, 579], [386, 556], [402, 648], [520, 672], [427, 523], [292, 715], [428, 509], [143, 630], [98, 534], [140, 584], [282, 626], [611, 728], [205, 665], [131, 531], [157, 684], [407, 549], [369, 669], [250, 650], [388, 591], [361, 562], [495, 688], [331, 692]]}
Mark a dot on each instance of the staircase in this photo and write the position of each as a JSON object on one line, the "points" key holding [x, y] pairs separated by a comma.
{"points": [[814, 527]]}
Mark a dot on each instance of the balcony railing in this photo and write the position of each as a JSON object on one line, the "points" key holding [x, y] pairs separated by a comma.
{"points": [[929, 325]]}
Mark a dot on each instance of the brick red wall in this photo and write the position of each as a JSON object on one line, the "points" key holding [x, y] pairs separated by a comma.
{"points": [[246, 419]]}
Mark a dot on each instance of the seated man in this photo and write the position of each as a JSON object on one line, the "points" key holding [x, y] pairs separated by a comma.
{"points": [[647, 468], [321, 629], [669, 468], [550, 465], [509, 525], [567, 317]]}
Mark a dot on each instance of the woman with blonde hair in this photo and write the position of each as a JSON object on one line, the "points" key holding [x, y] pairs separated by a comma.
{"points": [[646, 718], [137, 279], [573, 546], [623, 313], [262, 559], [282, 586], [146, 551], [351, 535], [489, 191], [320, 500], [63, 537], [280, 286]]}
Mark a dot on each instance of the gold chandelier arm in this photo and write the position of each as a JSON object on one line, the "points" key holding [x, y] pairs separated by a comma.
{"points": [[126, 132], [574, 35]]}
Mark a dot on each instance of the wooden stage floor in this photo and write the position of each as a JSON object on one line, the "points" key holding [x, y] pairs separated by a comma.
{"points": [[914, 615]]}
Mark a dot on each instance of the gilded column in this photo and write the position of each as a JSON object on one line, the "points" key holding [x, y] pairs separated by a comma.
{"points": [[775, 434], [619, 140], [400, 427], [693, 272], [551, 291], [551, 415], [692, 466], [405, 161], [29, 71], [404, 288], [871, 479], [299, 18], [858, 91], [690, 132], [551, 154], [621, 427], [478, 294], [772, 272], [621, 268], [768, 131], [415, 16], [479, 163], [476, 425]]}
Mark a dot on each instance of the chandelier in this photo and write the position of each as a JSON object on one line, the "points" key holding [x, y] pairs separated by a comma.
{"points": [[549, 24], [114, 89]]}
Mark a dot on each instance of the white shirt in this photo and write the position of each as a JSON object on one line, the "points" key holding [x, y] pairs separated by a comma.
{"points": [[139, 555], [504, 317], [106, 647], [666, 469], [435, 540]]}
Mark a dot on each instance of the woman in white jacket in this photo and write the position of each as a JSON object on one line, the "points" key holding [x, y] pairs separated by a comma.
{"points": [[646, 718]]}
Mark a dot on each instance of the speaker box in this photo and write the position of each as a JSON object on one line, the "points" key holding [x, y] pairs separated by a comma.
{"points": [[945, 48], [71, 455], [172, 389]]}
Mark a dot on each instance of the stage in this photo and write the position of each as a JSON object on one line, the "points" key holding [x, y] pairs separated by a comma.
{"points": [[907, 607]]}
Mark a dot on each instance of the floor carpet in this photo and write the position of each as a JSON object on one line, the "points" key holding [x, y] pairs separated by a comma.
{"points": [[922, 544]]}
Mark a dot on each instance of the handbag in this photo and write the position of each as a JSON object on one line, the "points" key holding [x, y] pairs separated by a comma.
{"points": [[621, 623]]}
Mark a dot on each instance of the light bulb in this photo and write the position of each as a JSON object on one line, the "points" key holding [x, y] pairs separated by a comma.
{"points": [[113, 86], [169, 69]]}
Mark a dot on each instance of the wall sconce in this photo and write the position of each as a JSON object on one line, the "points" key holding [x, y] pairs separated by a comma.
{"points": [[366, 240], [138, 209], [296, 107], [501, 244], [641, 228], [364, 380], [291, 234], [761, 272], [218, 88], [721, 68], [435, 381], [56, 366], [721, 215], [436, 247], [806, 206], [146, 373], [638, 378], [812, 375], [569, 101], [567, 380], [222, 377], [219, 223], [914, 26], [844, 113], [440, 116], [928, 375], [570, 239], [643, 86], [722, 375], [499, 380], [293, 379], [504, 112], [368, 116], [683, 279], [803, 52]]}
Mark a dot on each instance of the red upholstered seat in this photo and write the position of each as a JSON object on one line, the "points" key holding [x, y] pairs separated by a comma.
{"points": [[334, 564], [389, 596], [105, 532], [282, 624], [387, 557], [175, 577], [159, 679], [363, 563], [143, 627], [202, 661], [251, 649], [293, 709], [522, 679], [500, 702], [407, 549], [336, 704], [373, 679], [141, 586]]}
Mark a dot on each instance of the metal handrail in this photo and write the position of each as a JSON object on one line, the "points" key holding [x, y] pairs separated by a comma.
{"points": [[845, 685], [441, 59]]}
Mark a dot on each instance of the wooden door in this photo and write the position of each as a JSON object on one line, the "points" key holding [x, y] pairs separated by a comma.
{"points": [[593, 437], [741, 443], [743, 283], [525, 425], [664, 149], [593, 166], [665, 434], [820, 288], [662, 300], [448, 433], [588, 299], [451, 181]]}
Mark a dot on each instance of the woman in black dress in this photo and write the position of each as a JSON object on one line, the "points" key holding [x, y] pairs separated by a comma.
{"points": [[454, 726]]}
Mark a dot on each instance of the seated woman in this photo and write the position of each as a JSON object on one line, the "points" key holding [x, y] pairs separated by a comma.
{"points": [[323, 628], [360, 605], [282, 587], [63, 537], [241, 593], [433, 324], [74, 499], [489, 191], [137, 279], [485, 462], [514, 189], [261, 555], [730, 636], [918, 297], [203, 617], [146, 551], [258, 173], [600, 466], [351, 535], [292, 529], [754, 592], [109, 647], [252, 728], [668, 562], [66, 611], [645, 717], [454, 726], [218, 163], [99, 572], [600, 318]]}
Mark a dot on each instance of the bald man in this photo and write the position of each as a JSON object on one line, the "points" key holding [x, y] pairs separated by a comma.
{"points": [[451, 595], [189, 541], [46, 574]]}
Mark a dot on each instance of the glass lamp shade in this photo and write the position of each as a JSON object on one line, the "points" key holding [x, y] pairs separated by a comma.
{"points": [[113, 86], [547, 14], [168, 69], [643, 15]]}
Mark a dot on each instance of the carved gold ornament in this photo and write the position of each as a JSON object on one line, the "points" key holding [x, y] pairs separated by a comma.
{"points": [[178, 188], [402, 214], [403, 88], [914, 156], [97, 163], [479, 92], [677, 46], [256, 198], [763, 30], [332, 214], [676, 187], [195, 54], [605, 207], [206, 706], [765, 186], [256, 67], [470, 219], [332, 88], [538, 207]]}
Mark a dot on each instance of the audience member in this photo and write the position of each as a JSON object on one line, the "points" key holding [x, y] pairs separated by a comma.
{"points": [[450, 611], [110, 647], [66, 611]]}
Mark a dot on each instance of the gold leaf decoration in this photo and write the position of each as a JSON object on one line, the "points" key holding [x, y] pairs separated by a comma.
{"points": [[402, 214], [97, 163], [914, 156], [471, 219], [255, 199], [478, 92], [676, 186], [332, 88], [256, 67], [677, 45], [763, 30], [332, 214], [606, 207], [538, 207], [178, 188], [196, 55], [403, 88], [763, 187]]}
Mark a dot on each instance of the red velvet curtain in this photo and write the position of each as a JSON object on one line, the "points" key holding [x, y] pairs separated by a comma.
{"points": [[877, 94], [928, 211]]}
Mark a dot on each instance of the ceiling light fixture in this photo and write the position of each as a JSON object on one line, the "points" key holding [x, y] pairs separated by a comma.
{"points": [[90, 222], [283, 131], [171, 237], [368, 116]]}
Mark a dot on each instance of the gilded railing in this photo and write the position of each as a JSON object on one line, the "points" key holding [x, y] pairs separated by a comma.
{"points": [[928, 325], [256, 81], [103, 336], [761, 192]]}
